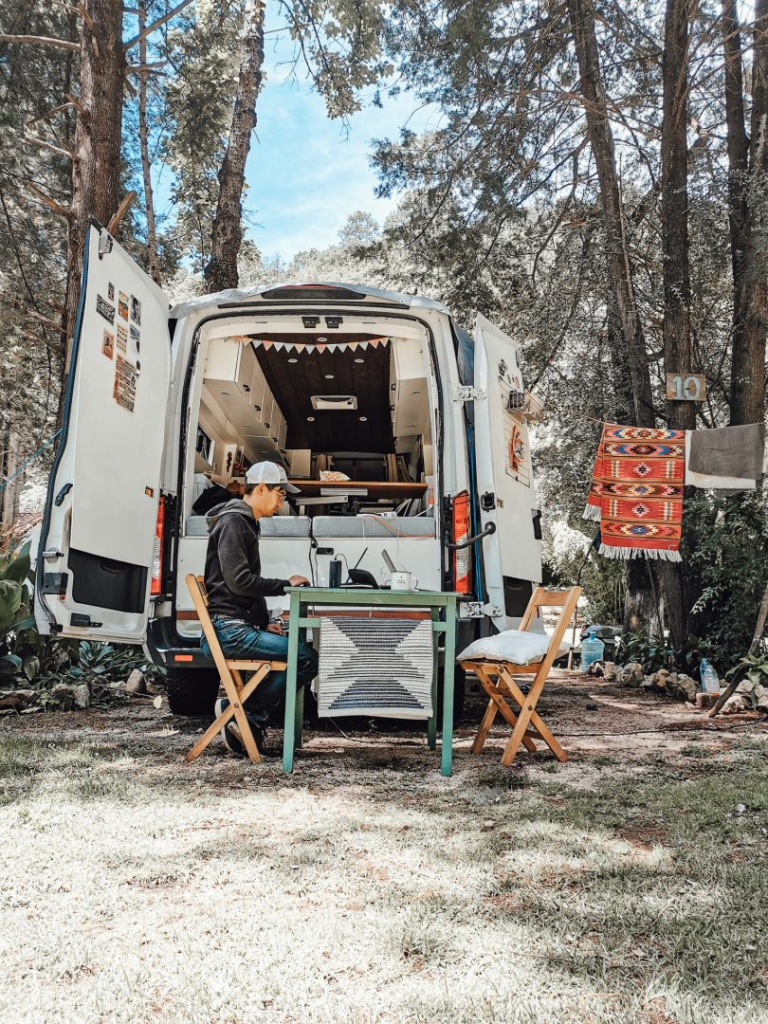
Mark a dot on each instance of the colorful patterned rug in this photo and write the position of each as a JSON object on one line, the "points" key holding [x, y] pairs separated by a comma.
{"points": [[637, 492]]}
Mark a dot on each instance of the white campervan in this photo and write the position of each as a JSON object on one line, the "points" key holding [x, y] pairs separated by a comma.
{"points": [[425, 422]]}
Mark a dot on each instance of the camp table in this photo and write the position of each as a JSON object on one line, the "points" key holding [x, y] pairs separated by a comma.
{"points": [[442, 608]]}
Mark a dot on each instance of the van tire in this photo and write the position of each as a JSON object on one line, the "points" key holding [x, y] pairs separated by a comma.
{"points": [[192, 692]]}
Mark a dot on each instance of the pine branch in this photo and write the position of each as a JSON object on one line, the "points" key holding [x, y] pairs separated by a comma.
{"points": [[156, 24], [58, 150], [63, 211], [41, 41], [50, 113], [120, 212]]}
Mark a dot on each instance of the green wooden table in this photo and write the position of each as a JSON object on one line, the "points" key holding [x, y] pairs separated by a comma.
{"points": [[442, 608]]}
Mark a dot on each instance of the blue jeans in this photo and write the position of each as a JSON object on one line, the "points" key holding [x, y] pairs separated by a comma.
{"points": [[239, 639]]}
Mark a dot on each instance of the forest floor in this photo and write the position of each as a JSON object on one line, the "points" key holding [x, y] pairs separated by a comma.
{"points": [[628, 885]]}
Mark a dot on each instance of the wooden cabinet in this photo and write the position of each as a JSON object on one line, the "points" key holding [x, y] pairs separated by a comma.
{"points": [[408, 388]]}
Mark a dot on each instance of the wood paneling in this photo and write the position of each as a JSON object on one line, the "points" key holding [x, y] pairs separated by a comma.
{"points": [[293, 385]]}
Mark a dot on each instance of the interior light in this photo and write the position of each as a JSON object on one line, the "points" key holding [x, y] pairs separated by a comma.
{"points": [[359, 360], [320, 338], [363, 419], [292, 360], [310, 419], [329, 376]]}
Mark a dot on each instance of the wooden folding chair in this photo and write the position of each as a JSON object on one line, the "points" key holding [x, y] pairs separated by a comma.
{"points": [[229, 670], [525, 722]]}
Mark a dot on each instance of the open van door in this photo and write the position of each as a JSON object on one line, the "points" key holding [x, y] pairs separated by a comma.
{"points": [[512, 554], [98, 536]]}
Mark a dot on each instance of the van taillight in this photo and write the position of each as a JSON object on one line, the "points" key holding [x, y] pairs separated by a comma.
{"points": [[461, 557], [157, 555]]}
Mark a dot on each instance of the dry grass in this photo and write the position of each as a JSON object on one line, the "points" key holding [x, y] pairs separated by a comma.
{"points": [[367, 889]]}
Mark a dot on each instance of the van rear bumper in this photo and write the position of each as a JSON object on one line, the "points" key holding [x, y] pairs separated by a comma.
{"points": [[164, 647]]}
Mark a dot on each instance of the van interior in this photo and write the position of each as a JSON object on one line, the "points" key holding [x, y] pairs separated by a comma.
{"points": [[351, 416]]}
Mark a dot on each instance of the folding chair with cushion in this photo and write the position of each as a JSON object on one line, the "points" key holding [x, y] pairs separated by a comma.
{"points": [[229, 670], [515, 652]]}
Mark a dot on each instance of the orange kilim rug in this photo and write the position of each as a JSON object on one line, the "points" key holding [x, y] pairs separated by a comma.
{"points": [[637, 492]]}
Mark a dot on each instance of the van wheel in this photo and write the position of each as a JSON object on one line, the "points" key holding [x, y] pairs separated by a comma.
{"points": [[192, 692]]}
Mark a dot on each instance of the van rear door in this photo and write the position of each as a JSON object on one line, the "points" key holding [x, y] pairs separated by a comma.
{"points": [[504, 475], [98, 536]]}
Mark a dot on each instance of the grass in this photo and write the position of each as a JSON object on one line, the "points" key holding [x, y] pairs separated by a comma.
{"points": [[135, 890]]}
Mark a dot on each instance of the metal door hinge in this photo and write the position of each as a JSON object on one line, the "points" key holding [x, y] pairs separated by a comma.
{"points": [[106, 241], [465, 393], [471, 610], [492, 610]]}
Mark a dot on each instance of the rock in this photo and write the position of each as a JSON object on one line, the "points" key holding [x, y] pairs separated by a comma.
{"points": [[610, 672], [82, 695], [762, 701], [63, 697], [661, 678], [632, 674], [737, 704], [687, 688], [154, 688], [648, 683], [597, 668], [17, 698], [704, 701], [135, 683]]}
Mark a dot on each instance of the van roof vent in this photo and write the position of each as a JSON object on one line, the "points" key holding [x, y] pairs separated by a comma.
{"points": [[341, 403]]}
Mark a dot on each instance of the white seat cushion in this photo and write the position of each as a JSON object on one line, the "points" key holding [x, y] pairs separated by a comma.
{"points": [[514, 646], [284, 526], [373, 526]]}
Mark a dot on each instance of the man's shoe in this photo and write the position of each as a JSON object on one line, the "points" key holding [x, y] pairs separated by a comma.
{"points": [[231, 735]]}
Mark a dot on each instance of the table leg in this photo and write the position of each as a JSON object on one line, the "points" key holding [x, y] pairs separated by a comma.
{"points": [[432, 723], [289, 730], [299, 721], [450, 659]]}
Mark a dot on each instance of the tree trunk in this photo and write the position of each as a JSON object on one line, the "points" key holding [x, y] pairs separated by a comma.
{"points": [[98, 135], [9, 496], [677, 285], [640, 612], [751, 289], [146, 163], [582, 19], [227, 235], [738, 154]]}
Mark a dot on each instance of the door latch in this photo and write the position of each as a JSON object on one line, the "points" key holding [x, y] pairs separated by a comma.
{"points": [[106, 241]]}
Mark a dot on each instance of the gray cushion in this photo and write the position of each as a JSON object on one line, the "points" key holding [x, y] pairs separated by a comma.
{"points": [[277, 526], [373, 526]]}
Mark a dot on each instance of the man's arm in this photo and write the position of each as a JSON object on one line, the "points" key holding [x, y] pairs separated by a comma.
{"points": [[232, 546]]}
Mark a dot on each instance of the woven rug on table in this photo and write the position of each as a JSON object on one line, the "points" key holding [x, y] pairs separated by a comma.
{"points": [[377, 667], [637, 492]]}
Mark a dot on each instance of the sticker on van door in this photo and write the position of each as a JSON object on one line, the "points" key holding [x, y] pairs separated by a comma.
{"points": [[105, 309], [108, 344], [122, 338], [125, 384], [517, 463], [122, 305]]}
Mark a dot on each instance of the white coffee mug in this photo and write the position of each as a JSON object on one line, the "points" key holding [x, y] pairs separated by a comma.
{"points": [[402, 581]]}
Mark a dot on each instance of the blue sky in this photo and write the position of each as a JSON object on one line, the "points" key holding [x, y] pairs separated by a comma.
{"points": [[305, 174]]}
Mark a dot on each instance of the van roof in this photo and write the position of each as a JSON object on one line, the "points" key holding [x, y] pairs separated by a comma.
{"points": [[234, 296]]}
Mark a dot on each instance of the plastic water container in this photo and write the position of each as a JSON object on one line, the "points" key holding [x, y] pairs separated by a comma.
{"points": [[710, 680], [592, 650]]}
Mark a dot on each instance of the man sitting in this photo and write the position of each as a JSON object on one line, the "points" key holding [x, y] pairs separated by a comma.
{"points": [[236, 592]]}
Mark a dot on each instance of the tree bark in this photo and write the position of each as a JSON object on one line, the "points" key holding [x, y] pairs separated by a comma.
{"points": [[227, 235], [640, 611], [146, 163], [750, 276], [676, 270], [582, 20], [98, 136]]}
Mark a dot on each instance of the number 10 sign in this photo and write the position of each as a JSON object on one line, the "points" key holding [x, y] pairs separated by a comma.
{"points": [[686, 387]]}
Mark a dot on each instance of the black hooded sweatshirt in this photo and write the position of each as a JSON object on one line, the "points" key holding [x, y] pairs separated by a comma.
{"points": [[233, 577]]}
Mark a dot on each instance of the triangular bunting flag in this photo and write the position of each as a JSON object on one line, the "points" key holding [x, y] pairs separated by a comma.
{"points": [[256, 342], [352, 345], [363, 344]]}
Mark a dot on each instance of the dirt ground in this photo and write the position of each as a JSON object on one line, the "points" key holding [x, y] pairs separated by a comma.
{"points": [[627, 885]]}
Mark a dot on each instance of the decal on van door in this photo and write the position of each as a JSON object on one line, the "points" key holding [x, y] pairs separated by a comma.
{"points": [[518, 463], [125, 384]]}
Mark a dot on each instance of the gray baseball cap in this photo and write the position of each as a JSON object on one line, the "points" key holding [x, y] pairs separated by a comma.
{"points": [[269, 473]]}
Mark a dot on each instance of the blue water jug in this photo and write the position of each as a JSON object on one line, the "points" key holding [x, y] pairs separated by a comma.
{"points": [[592, 650]]}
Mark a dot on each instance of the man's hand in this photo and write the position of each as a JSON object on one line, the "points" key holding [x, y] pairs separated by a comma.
{"points": [[299, 581], [276, 627]]}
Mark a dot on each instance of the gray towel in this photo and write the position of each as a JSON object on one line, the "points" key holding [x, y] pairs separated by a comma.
{"points": [[729, 451]]}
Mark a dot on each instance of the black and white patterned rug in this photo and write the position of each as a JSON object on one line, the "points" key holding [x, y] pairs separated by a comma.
{"points": [[378, 667]]}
